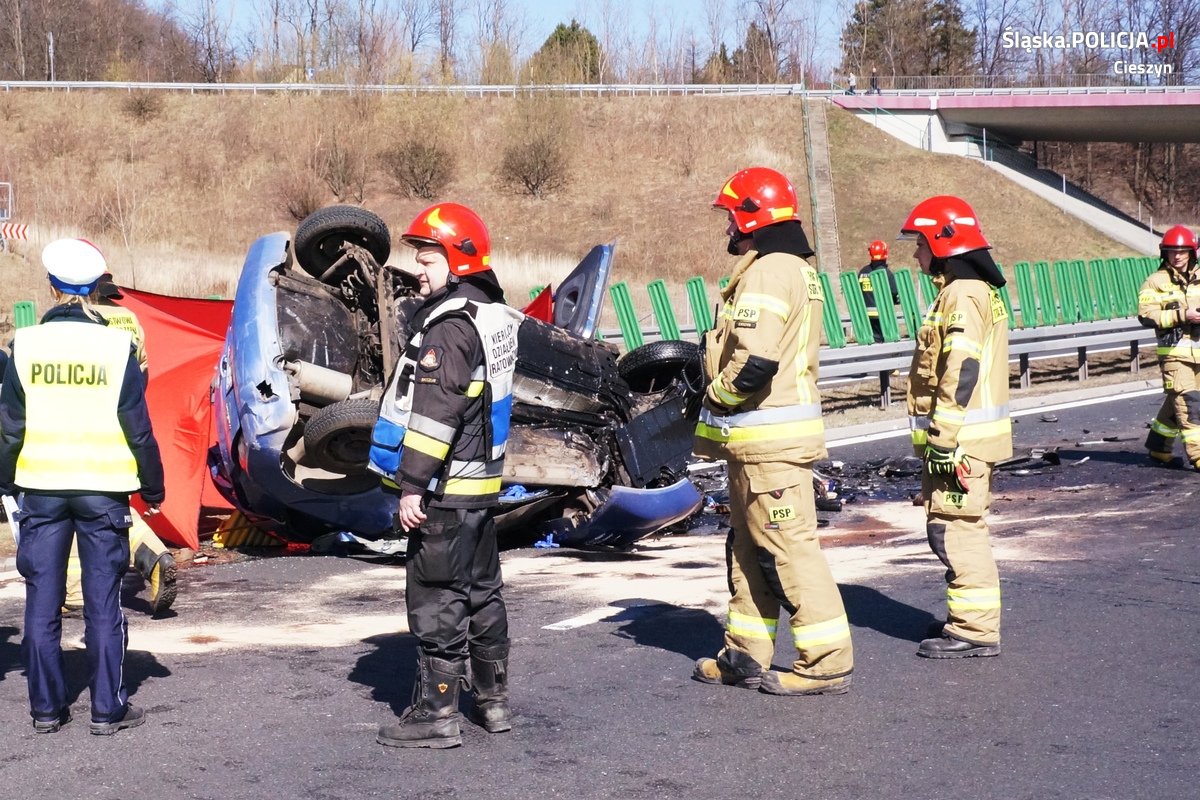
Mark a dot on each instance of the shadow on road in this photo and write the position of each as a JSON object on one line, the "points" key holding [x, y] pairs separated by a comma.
{"points": [[691, 632], [870, 608], [390, 670]]}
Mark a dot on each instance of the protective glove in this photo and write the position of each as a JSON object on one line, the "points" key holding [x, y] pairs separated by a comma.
{"points": [[944, 461], [940, 460]]}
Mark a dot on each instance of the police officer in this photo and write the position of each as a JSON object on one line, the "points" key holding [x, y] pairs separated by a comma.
{"points": [[76, 442], [878, 251], [439, 442], [958, 413], [762, 414], [148, 555], [1169, 302]]}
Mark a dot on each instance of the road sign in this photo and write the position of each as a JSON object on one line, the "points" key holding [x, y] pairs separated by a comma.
{"points": [[6, 201], [13, 230]]}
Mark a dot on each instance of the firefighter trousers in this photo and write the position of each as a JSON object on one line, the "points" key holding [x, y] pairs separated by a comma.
{"points": [[1181, 381], [101, 525], [453, 584], [774, 558], [1164, 429], [140, 535], [958, 535]]}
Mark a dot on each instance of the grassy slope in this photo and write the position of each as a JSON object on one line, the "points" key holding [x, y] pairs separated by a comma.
{"points": [[174, 199], [878, 179]]}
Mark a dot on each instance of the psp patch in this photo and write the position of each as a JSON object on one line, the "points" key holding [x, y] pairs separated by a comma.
{"points": [[781, 513], [431, 358]]}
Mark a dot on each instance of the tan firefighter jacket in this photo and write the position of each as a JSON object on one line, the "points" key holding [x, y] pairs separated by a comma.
{"points": [[958, 382], [760, 362], [1163, 302]]}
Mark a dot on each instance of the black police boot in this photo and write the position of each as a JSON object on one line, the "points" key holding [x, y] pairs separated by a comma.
{"points": [[731, 668], [132, 717], [489, 682], [432, 719], [948, 647]]}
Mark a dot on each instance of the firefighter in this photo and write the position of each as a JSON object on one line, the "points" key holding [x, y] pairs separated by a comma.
{"points": [[958, 414], [1169, 302], [439, 443], [878, 251], [76, 443], [148, 555], [762, 414]]}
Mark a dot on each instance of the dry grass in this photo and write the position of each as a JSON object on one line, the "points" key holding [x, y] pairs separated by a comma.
{"points": [[878, 179], [175, 196]]}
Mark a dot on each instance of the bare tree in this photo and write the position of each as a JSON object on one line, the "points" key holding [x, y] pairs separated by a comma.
{"points": [[209, 30], [498, 32], [15, 30], [990, 18], [447, 18]]}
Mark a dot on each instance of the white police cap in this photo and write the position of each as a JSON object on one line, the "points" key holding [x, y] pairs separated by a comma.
{"points": [[74, 265]]}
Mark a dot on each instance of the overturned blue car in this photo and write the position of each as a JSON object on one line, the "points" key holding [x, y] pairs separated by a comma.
{"points": [[599, 445]]}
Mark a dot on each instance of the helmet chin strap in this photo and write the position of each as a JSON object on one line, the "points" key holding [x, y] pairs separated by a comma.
{"points": [[735, 240]]}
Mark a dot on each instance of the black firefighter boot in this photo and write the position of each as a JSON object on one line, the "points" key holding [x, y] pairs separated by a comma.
{"points": [[730, 667], [489, 680], [432, 719]]}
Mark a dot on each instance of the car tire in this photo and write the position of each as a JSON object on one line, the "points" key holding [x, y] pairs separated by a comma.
{"points": [[321, 234], [655, 366], [338, 437]]}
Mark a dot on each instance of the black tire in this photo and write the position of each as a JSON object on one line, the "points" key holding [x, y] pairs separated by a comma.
{"points": [[657, 365], [321, 234], [338, 437]]}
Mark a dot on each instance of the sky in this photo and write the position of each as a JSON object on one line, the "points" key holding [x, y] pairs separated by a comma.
{"points": [[668, 17]]}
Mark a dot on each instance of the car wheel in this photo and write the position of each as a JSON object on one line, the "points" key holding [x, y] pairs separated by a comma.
{"points": [[338, 437], [319, 239], [657, 365]]}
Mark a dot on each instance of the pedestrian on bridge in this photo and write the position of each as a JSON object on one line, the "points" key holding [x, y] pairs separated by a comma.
{"points": [[762, 414], [958, 414], [76, 442], [1169, 302]]}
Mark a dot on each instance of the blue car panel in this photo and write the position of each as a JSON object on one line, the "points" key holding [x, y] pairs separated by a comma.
{"points": [[257, 413]]}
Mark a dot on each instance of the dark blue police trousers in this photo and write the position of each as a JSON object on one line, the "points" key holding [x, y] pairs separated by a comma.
{"points": [[102, 524]]}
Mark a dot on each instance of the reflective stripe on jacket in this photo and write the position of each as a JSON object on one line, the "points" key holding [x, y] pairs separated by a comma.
{"points": [[958, 382], [1163, 302], [474, 482], [762, 402], [72, 374]]}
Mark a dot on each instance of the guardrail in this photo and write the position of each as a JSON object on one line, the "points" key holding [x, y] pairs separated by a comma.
{"points": [[580, 89], [1024, 345]]}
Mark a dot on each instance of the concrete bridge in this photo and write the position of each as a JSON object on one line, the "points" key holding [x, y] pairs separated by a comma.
{"points": [[1098, 114]]}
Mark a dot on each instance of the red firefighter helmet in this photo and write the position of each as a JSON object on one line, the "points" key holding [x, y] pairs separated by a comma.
{"points": [[878, 250], [757, 197], [1179, 238], [459, 230], [948, 223]]}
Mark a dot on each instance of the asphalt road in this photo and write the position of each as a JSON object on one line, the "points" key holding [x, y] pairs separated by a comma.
{"points": [[272, 675]]}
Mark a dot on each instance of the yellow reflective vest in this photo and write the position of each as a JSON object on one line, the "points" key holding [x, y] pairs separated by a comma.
{"points": [[1163, 302], [771, 316], [126, 320], [958, 382], [72, 374]]}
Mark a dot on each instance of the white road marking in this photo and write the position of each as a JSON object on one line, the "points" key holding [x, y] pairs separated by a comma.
{"points": [[894, 434], [593, 616]]}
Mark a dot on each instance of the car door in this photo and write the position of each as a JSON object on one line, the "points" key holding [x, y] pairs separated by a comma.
{"points": [[579, 299]]}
